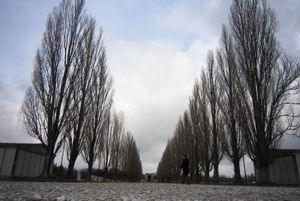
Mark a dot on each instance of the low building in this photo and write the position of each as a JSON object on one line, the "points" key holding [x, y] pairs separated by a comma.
{"points": [[285, 166], [21, 160]]}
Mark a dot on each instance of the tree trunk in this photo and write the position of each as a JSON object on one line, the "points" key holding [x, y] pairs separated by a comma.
{"points": [[206, 177], [90, 159], [48, 164], [237, 174], [263, 174], [215, 156], [89, 172], [216, 172], [235, 159], [197, 176], [72, 161]]}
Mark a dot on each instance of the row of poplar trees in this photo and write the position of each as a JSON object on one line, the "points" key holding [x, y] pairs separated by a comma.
{"points": [[70, 101], [243, 103]]}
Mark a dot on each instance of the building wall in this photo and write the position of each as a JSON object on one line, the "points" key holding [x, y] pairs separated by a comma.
{"points": [[297, 157], [284, 170], [29, 164], [7, 157], [20, 163]]}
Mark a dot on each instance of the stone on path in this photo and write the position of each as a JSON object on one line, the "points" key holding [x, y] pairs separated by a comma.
{"points": [[36, 197], [61, 198]]}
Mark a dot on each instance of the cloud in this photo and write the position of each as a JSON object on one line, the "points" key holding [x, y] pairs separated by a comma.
{"points": [[298, 42], [199, 18], [11, 128], [288, 16], [153, 81]]}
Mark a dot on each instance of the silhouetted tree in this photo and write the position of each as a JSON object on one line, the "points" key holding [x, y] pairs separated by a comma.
{"points": [[206, 140], [197, 134], [213, 94], [267, 79], [118, 135], [107, 139], [86, 63], [134, 166], [46, 107], [165, 166], [234, 145], [100, 96]]}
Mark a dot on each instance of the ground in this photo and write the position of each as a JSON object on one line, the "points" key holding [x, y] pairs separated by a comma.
{"points": [[141, 191]]}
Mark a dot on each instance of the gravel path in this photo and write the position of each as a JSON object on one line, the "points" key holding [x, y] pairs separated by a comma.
{"points": [[140, 191]]}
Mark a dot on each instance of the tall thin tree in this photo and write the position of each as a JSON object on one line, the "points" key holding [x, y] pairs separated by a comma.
{"points": [[85, 64], [46, 107], [213, 95], [227, 69], [100, 97]]}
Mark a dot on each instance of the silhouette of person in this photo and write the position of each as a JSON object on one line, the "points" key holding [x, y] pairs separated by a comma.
{"points": [[185, 170]]}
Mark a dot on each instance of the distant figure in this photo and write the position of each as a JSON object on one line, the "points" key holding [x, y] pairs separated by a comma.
{"points": [[185, 170]]}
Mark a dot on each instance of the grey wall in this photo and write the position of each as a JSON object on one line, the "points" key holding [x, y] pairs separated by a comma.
{"points": [[19, 163], [1, 157], [297, 156], [29, 164], [284, 170], [7, 157]]}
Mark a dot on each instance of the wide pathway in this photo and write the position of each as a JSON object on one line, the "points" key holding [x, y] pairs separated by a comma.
{"points": [[141, 191]]}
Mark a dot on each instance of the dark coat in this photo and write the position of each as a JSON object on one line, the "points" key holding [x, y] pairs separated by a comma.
{"points": [[185, 166]]}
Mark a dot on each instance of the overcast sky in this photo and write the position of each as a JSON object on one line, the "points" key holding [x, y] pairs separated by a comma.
{"points": [[155, 49]]}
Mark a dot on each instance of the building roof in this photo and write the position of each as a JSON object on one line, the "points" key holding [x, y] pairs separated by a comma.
{"points": [[277, 153], [37, 148]]}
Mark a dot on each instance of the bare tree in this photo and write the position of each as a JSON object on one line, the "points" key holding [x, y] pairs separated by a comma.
{"points": [[177, 150], [165, 166], [213, 95], [86, 63], [187, 135], [267, 79], [206, 140], [46, 106], [117, 138], [107, 140], [235, 146], [133, 165], [195, 114], [169, 165], [100, 102], [118, 152]]}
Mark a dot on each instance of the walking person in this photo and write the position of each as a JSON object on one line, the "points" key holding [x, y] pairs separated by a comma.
{"points": [[185, 168]]}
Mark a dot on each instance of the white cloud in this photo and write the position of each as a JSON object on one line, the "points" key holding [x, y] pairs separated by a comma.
{"points": [[298, 41], [195, 17], [153, 81], [11, 127]]}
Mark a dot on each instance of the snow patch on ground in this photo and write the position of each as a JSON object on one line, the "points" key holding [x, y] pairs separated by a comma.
{"points": [[45, 191]]}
